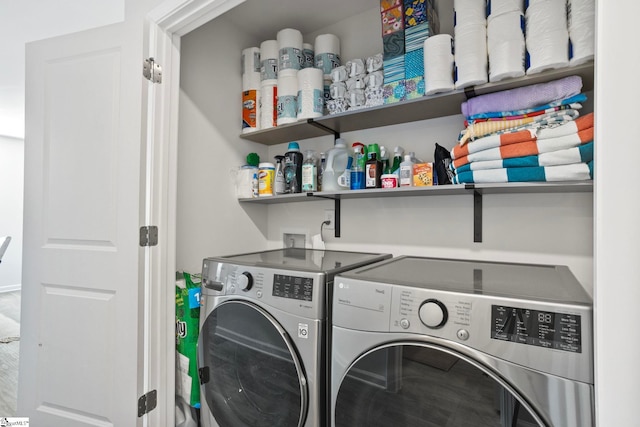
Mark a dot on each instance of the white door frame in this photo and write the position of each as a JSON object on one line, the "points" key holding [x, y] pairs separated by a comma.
{"points": [[166, 25]]}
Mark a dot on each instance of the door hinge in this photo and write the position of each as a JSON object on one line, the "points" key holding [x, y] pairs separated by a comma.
{"points": [[152, 71], [148, 235], [147, 402]]}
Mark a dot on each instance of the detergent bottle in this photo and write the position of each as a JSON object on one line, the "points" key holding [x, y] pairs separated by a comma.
{"points": [[336, 162]]}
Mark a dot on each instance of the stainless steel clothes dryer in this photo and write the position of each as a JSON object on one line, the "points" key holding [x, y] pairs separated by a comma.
{"points": [[262, 349], [438, 342]]}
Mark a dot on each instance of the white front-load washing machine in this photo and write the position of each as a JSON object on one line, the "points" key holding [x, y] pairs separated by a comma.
{"points": [[441, 342], [264, 339]]}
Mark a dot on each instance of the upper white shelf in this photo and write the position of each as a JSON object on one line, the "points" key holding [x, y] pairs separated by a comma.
{"points": [[426, 107]]}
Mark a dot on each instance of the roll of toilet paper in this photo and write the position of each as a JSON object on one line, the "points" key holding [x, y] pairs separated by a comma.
{"points": [[547, 36], [470, 55], [505, 45], [289, 49], [287, 96], [338, 90], [268, 104], [498, 7], [469, 12], [269, 60], [251, 68], [327, 53], [581, 22], [339, 74], [310, 93], [438, 64], [309, 55]]}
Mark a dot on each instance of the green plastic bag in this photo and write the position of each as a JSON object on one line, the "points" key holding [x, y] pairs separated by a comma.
{"points": [[187, 331]]}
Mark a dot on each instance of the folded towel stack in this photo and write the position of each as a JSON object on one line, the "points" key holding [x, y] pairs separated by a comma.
{"points": [[532, 133]]}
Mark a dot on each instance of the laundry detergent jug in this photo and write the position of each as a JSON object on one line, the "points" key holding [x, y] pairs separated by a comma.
{"points": [[337, 159]]}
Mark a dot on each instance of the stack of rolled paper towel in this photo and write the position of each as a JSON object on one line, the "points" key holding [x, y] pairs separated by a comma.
{"points": [[355, 85], [532, 133]]}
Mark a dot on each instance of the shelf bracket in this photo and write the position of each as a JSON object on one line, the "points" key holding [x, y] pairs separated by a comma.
{"points": [[336, 207], [477, 216], [327, 129]]}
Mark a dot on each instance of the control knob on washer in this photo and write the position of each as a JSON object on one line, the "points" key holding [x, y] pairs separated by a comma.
{"points": [[433, 313], [245, 281]]}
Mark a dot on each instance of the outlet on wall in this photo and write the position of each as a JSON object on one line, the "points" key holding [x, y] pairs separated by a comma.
{"points": [[330, 215]]}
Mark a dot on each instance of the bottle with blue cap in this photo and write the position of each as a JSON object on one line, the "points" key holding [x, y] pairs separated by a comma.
{"points": [[293, 168]]}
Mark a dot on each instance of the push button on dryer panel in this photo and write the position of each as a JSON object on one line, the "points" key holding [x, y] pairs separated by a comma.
{"points": [[404, 323], [462, 334]]}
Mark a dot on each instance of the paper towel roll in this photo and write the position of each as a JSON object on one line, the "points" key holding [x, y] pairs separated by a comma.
{"points": [[547, 36], [269, 60], [310, 93], [469, 12], [498, 7], [581, 22], [309, 55], [289, 49], [250, 68], [287, 96], [438, 64], [327, 53], [471, 60], [506, 47], [268, 104]]}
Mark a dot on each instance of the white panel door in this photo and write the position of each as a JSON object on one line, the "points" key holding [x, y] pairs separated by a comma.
{"points": [[81, 351]]}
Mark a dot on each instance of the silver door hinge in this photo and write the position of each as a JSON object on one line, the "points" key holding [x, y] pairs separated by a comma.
{"points": [[147, 403], [148, 235], [152, 71]]}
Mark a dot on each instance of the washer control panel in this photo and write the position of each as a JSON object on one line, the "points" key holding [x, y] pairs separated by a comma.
{"points": [[296, 292]]}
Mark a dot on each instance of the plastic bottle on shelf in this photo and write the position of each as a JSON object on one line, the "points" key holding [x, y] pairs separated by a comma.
{"points": [[373, 171], [406, 172], [293, 168], [279, 186], [357, 169], [384, 159], [335, 165], [398, 156], [323, 161], [310, 172]]}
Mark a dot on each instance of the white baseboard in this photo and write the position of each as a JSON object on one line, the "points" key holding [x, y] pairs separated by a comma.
{"points": [[9, 288]]}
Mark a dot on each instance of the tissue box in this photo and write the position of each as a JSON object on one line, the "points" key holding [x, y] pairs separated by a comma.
{"points": [[392, 20], [423, 174], [414, 64], [393, 45], [417, 12], [414, 87], [388, 4], [394, 92]]}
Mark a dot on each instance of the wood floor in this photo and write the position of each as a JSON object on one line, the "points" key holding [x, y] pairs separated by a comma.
{"points": [[9, 350]]}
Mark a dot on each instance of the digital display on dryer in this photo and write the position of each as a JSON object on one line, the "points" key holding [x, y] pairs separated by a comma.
{"points": [[292, 287], [558, 331]]}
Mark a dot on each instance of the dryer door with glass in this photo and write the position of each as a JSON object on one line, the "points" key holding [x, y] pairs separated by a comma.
{"points": [[251, 375], [416, 384]]}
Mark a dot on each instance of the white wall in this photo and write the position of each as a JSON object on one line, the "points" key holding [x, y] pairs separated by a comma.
{"points": [[617, 269], [11, 190]]}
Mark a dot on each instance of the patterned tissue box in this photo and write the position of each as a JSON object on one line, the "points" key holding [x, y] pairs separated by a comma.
{"points": [[392, 20], [394, 92], [414, 87]]}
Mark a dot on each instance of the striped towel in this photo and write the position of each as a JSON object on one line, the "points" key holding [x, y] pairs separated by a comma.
{"points": [[478, 130], [581, 97], [581, 154], [527, 148], [573, 106], [493, 141], [523, 97], [573, 172]]}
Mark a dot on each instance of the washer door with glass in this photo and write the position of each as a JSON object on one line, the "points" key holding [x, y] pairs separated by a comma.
{"points": [[408, 385], [250, 373]]}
